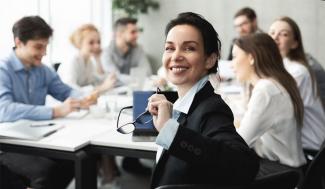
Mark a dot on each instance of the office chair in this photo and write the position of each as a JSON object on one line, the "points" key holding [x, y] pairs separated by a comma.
{"points": [[10, 180], [282, 180], [315, 174], [56, 66]]}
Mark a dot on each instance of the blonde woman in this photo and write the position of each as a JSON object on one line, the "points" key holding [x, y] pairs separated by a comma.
{"points": [[85, 71]]}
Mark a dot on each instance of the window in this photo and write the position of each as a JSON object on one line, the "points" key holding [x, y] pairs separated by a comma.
{"points": [[63, 16]]}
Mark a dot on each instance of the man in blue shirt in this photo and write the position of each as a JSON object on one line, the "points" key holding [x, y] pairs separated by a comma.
{"points": [[24, 84]]}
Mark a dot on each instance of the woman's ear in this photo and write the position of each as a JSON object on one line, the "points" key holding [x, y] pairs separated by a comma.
{"points": [[251, 59], [211, 61]]}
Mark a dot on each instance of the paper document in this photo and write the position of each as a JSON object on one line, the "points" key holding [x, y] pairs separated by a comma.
{"points": [[27, 129], [77, 114]]}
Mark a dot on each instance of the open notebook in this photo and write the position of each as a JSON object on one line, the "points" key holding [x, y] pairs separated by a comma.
{"points": [[27, 129]]}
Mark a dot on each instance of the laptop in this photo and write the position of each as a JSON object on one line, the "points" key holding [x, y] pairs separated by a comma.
{"points": [[146, 132]]}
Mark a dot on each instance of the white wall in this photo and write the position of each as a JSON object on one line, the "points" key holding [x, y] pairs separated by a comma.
{"points": [[309, 14], [65, 15]]}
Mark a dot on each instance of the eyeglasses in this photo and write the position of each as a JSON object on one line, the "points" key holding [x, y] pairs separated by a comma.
{"points": [[144, 118]]}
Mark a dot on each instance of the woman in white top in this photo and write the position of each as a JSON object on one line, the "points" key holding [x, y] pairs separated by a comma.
{"points": [[271, 125], [287, 36], [84, 71]]}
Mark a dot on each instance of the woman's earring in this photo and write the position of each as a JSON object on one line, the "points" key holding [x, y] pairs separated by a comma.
{"points": [[251, 62]]}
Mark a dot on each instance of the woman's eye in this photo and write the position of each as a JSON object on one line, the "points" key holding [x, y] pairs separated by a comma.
{"points": [[168, 48], [284, 34], [189, 49]]}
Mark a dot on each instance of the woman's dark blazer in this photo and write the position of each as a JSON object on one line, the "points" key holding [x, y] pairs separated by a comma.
{"points": [[206, 148]]}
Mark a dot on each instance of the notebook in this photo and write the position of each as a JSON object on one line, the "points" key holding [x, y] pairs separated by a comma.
{"points": [[146, 132], [27, 129]]}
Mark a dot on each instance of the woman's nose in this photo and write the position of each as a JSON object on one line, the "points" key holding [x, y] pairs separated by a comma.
{"points": [[177, 56]]}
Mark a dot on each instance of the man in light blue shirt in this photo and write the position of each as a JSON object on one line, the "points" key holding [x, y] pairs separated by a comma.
{"points": [[23, 90], [24, 84]]}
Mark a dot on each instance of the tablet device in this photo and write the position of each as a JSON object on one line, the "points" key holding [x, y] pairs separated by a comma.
{"points": [[146, 132]]}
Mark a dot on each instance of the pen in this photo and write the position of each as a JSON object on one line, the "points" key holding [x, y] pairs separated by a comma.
{"points": [[43, 125], [158, 90]]}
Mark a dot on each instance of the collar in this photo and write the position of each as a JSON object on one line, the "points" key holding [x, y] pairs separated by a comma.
{"points": [[15, 62], [184, 104]]}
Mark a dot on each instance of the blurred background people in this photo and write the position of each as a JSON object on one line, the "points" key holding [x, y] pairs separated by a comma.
{"points": [[245, 23], [274, 117], [24, 83], [84, 71], [124, 55], [287, 36]]}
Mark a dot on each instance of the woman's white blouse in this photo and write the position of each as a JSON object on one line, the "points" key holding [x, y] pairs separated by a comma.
{"points": [[269, 125], [79, 74], [313, 130]]}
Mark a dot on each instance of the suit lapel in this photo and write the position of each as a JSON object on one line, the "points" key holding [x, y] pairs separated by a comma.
{"points": [[204, 93]]}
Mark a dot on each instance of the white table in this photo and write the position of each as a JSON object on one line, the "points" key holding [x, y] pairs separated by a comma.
{"points": [[67, 143], [79, 140], [74, 134]]}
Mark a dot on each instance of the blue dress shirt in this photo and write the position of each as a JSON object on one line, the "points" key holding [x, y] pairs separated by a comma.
{"points": [[23, 92]]}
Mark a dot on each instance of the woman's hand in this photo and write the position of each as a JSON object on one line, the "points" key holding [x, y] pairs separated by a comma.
{"points": [[161, 110], [89, 100], [109, 82]]}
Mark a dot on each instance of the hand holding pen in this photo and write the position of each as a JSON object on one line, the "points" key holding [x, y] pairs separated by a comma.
{"points": [[160, 108]]}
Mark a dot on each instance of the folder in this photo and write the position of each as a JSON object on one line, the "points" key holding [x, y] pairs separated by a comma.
{"points": [[146, 132], [27, 129]]}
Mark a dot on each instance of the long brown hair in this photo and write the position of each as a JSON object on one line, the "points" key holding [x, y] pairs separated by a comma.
{"points": [[268, 63], [298, 54]]}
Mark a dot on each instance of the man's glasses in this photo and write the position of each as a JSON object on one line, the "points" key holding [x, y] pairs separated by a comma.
{"points": [[144, 118]]}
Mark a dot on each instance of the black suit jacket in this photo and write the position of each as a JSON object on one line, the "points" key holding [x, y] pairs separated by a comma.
{"points": [[206, 148]]}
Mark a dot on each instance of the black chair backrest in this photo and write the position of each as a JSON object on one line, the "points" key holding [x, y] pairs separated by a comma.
{"points": [[56, 66], [283, 180], [315, 174]]}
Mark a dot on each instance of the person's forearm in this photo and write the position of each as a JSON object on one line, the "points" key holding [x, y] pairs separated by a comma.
{"points": [[15, 111]]}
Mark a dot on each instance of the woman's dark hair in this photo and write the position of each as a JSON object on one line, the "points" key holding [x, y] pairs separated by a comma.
{"points": [[268, 63], [298, 54], [211, 41], [30, 28]]}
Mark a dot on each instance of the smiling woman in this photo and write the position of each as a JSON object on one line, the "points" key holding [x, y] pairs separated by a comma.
{"points": [[196, 133]]}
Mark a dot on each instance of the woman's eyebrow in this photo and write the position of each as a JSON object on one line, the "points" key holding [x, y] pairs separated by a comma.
{"points": [[185, 42]]}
